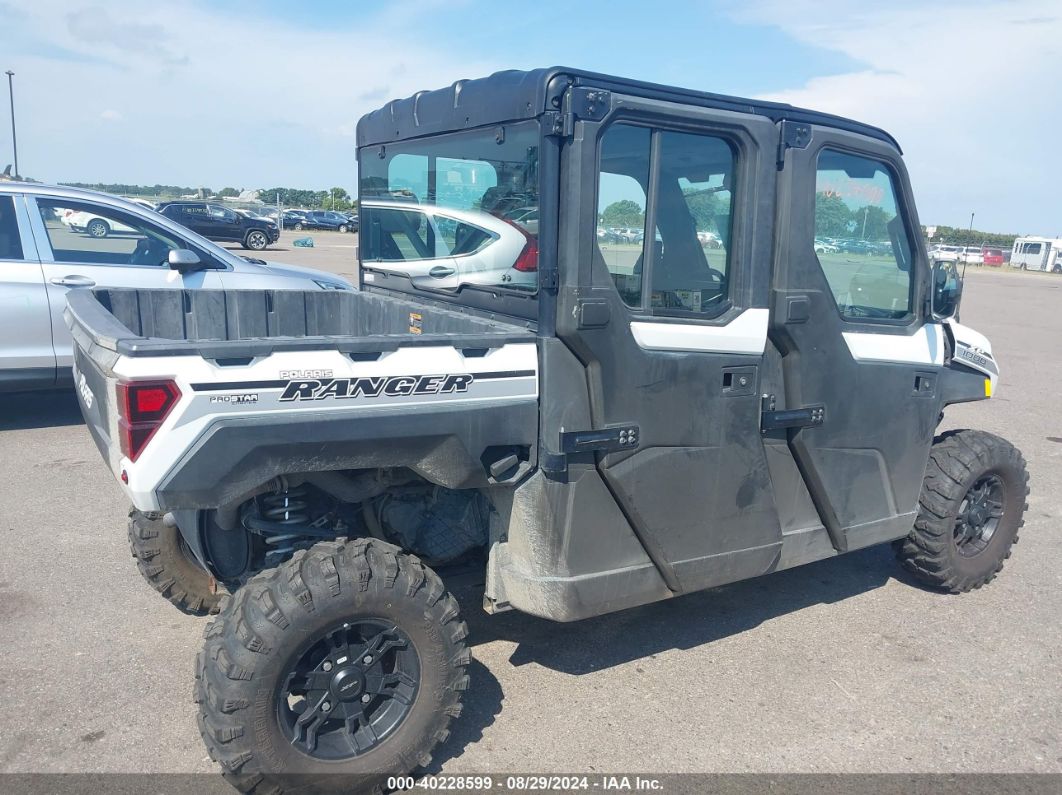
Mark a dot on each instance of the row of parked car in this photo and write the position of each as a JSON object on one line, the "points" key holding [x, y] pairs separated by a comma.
{"points": [[967, 255], [254, 230], [833, 245]]}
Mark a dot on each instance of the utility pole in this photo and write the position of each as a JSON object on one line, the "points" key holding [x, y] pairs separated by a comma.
{"points": [[866, 211], [11, 95]]}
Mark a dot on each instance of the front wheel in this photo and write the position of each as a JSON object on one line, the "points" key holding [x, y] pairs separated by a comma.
{"points": [[298, 227], [342, 227], [972, 506], [256, 241], [341, 667]]}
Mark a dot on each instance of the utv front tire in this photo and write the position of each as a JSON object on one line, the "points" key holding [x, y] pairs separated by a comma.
{"points": [[165, 561], [342, 666], [971, 508]]}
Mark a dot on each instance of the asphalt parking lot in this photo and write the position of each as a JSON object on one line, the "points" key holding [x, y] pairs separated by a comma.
{"points": [[839, 666]]}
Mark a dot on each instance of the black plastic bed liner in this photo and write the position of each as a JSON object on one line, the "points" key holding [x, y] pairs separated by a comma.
{"points": [[242, 323]]}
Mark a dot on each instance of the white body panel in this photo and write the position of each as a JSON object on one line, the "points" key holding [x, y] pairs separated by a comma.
{"points": [[746, 333], [509, 372], [925, 346]]}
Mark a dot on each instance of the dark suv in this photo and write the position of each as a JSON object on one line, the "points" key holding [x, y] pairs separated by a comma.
{"points": [[324, 219], [215, 222]]}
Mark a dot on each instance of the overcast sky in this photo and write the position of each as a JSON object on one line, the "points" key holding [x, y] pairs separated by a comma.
{"points": [[259, 93]]}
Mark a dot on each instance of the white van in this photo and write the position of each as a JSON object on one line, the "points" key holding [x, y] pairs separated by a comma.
{"points": [[1037, 254]]}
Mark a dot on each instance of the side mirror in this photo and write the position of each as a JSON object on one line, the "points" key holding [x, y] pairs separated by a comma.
{"points": [[184, 261], [947, 290]]}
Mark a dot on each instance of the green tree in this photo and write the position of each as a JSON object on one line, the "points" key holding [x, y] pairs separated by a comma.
{"points": [[872, 222], [227, 193], [707, 209], [832, 216], [623, 213]]}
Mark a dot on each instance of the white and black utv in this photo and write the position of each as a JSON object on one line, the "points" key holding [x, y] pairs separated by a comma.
{"points": [[614, 342]]}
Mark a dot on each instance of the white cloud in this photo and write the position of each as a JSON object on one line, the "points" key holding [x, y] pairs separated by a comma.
{"points": [[972, 91], [209, 95]]}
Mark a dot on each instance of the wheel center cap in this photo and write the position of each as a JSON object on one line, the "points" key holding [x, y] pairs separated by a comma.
{"points": [[347, 684]]}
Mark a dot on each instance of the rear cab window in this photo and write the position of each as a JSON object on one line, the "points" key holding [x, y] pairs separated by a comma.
{"points": [[457, 213]]}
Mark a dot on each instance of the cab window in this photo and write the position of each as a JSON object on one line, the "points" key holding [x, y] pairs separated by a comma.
{"points": [[860, 238], [682, 268]]}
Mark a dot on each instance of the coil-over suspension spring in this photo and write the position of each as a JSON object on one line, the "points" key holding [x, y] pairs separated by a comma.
{"points": [[282, 518]]}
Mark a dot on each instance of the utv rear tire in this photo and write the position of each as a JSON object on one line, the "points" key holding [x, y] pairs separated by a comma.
{"points": [[971, 508], [169, 567], [291, 693]]}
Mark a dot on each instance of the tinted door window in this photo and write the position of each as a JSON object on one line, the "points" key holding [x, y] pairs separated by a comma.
{"points": [[692, 211], [82, 232], [621, 202], [856, 204], [687, 255], [10, 242]]}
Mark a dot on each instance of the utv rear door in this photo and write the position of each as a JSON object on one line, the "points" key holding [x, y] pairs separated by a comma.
{"points": [[671, 323], [861, 359]]}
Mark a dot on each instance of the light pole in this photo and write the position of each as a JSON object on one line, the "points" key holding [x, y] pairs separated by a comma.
{"points": [[11, 95], [966, 249]]}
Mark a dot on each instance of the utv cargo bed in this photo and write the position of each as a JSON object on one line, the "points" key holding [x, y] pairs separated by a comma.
{"points": [[328, 374]]}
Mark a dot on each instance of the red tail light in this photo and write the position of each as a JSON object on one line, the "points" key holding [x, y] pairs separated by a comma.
{"points": [[143, 407], [527, 262]]}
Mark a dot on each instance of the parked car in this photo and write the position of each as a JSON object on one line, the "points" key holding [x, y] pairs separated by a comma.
{"points": [[825, 247], [470, 246], [324, 219], [215, 222], [942, 253], [292, 219], [43, 257], [971, 255], [993, 256], [353, 222]]}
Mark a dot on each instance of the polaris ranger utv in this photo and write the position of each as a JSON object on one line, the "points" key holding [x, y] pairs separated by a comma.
{"points": [[746, 377]]}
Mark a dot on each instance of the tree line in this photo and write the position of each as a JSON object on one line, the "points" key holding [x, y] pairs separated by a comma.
{"points": [[289, 197]]}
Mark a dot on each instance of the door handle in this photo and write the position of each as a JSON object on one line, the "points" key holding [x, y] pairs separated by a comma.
{"points": [[441, 272], [73, 281]]}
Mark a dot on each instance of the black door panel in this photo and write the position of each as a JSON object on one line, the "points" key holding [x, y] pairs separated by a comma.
{"points": [[864, 464], [697, 489]]}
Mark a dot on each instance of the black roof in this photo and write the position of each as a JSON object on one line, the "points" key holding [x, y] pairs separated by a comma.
{"points": [[514, 95]]}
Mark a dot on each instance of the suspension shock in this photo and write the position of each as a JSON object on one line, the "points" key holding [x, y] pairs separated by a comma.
{"points": [[288, 507], [282, 518]]}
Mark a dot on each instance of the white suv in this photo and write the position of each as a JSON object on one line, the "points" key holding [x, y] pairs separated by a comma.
{"points": [[57, 239]]}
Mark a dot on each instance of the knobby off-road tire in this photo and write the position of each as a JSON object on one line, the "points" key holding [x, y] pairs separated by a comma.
{"points": [[308, 630], [970, 511], [168, 566]]}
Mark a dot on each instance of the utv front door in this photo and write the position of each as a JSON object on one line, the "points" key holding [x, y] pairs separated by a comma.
{"points": [[670, 324], [856, 345]]}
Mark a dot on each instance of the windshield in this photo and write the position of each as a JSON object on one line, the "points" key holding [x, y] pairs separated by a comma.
{"points": [[456, 211]]}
